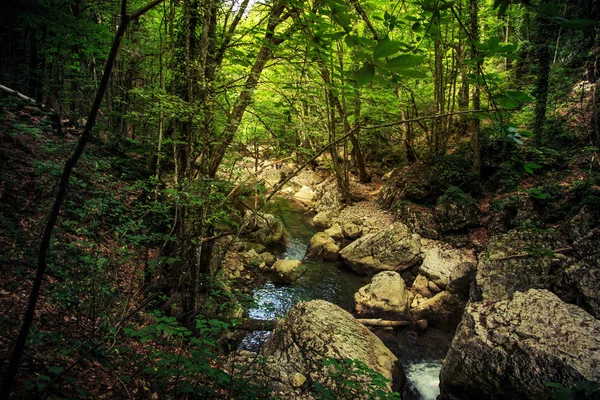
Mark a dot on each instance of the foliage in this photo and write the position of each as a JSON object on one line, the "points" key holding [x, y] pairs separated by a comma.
{"points": [[352, 379]]}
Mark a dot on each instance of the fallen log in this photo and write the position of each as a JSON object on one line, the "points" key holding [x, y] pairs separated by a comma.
{"points": [[378, 322]]}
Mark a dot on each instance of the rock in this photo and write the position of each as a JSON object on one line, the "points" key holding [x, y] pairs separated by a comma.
{"points": [[498, 278], [421, 325], [328, 197], [268, 258], [288, 271], [322, 246], [32, 110], [582, 223], [316, 330], [270, 177], [305, 195], [351, 231], [421, 286], [260, 370], [511, 349], [419, 219], [461, 278], [306, 177], [323, 219], [251, 257], [439, 262], [335, 232], [392, 249], [456, 217], [269, 231], [444, 310], [385, 297], [411, 183], [297, 379], [433, 288]]}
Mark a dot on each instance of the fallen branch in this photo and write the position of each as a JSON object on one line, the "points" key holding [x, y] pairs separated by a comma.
{"points": [[378, 322], [557, 251]]}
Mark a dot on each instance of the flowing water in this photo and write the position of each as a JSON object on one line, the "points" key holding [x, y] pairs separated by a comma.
{"points": [[328, 281]]}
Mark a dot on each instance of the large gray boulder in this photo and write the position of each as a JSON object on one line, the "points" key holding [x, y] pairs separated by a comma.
{"points": [[507, 267], [317, 330], [394, 248], [267, 230], [512, 349], [323, 247], [440, 261], [385, 297]]}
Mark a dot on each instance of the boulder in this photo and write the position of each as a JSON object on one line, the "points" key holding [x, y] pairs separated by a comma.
{"points": [[268, 231], [444, 310], [351, 231], [421, 286], [512, 349], [457, 217], [324, 219], [323, 247], [305, 195], [581, 224], [268, 258], [439, 262], [306, 177], [270, 177], [419, 219], [461, 277], [385, 297], [507, 267], [335, 232], [394, 248], [287, 271], [316, 330], [328, 197], [411, 183]]}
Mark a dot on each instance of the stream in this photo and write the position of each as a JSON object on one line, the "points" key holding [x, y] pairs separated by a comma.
{"points": [[421, 357]]}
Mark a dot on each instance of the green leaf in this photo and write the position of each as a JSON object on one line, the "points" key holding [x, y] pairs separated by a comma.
{"points": [[404, 61], [580, 23], [386, 47], [412, 73], [365, 74], [529, 167]]}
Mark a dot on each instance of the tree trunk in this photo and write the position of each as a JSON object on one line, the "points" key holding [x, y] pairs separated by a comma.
{"points": [[475, 123]]}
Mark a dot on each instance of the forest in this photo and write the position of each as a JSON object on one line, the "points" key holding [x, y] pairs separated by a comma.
{"points": [[285, 199]]}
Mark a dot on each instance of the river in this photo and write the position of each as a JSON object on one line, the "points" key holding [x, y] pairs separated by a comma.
{"points": [[421, 356]]}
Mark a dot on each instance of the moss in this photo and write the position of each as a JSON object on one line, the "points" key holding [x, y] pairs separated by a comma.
{"points": [[455, 195]]}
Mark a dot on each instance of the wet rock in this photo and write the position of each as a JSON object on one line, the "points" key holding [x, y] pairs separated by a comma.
{"points": [[385, 297], [323, 247], [335, 232], [316, 330], [444, 310], [394, 248], [287, 271], [511, 349]]}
